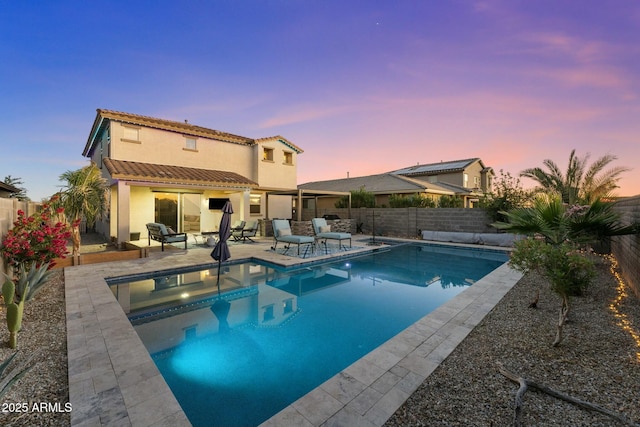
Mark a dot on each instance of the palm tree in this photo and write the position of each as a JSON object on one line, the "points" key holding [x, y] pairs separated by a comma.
{"points": [[558, 223], [579, 184], [83, 197], [564, 229]]}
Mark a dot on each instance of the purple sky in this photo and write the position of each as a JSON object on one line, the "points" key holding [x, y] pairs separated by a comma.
{"points": [[362, 86]]}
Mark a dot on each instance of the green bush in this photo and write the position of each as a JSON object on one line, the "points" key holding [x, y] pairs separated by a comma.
{"points": [[507, 194], [568, 269], [360, 198], [450, 202], [411, 201]]}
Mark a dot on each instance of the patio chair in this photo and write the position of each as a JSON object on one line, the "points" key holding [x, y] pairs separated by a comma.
{"points": [[163, 234], [323, 233], [238, 225], [282, 233], [246, 233]]}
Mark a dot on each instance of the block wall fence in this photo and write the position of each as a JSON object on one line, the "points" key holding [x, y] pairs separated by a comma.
{"points": [[626, 249], [409, 222]]}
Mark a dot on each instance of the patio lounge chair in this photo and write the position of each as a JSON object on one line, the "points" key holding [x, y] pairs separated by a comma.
{"points": [[246, 233], [282, 233], [323, 233], [160, 232]]}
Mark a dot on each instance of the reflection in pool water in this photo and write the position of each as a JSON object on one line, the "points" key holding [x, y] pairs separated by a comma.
{"points": [[238, 354]]}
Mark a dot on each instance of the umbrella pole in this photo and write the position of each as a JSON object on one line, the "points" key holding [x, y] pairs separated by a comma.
{"points": [[219, 264]]}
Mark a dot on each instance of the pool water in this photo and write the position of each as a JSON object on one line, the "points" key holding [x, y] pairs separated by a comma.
{"points": [[238, 354]]}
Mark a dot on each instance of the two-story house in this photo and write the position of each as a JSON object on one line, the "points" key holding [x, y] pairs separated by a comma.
{"points": [[468, 179], [181, 174]]}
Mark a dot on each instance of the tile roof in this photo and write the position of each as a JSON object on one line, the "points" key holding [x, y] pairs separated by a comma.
{"points": [[184, 128], [148, 172], [174, 126], [378, 184], [434, 168]]}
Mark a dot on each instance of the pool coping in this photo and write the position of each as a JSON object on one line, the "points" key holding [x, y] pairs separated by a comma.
{"points": [[114, 381]]}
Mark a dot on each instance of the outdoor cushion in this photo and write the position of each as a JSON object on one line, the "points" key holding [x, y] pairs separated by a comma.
{"points": [[296, 239], [325, 228], [284, 232]]}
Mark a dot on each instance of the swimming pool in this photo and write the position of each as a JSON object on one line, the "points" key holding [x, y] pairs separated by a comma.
{"points": [[237, 355]]}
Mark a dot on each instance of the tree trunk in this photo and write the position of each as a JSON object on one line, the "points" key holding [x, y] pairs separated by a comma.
{"points": [[562, 318], [75, 236]]}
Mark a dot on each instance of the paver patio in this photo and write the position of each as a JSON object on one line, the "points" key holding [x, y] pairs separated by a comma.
{"points": [[114, 381]]}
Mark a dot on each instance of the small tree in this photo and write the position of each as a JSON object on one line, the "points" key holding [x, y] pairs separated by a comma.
{"points": [[84, 197], [568, 270], [555, 246], [360, 198], [507, 194]]}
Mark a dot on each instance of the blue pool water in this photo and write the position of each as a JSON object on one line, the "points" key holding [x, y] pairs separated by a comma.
{"points": [[237, 355]]}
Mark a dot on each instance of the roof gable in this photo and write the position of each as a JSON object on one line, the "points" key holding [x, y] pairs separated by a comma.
{"points": [[281, 140]]}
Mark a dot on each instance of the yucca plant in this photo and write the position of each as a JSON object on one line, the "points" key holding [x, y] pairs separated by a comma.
{"points": [[6, 381], [17, 292]]}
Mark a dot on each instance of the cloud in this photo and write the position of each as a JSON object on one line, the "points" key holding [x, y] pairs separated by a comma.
{"points": [[307, 113], [559, 44]]}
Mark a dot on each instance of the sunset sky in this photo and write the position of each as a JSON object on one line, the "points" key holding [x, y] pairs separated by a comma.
{"points": [[362, 87]]}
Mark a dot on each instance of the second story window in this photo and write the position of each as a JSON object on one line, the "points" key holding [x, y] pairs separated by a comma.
{"points": [[267, 154], [288, 158], [190, 144], [131, 134]]}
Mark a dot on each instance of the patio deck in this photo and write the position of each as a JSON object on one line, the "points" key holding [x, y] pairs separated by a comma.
{"points": [[113, 380]]}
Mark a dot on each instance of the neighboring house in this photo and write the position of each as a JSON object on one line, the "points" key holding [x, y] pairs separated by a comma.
{"points": [[7, 190], [180, 174], [468, 179]]}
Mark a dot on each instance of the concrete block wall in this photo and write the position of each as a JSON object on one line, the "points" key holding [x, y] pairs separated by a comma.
{"points": [[305, 228], [626, 249], [409, 222]]}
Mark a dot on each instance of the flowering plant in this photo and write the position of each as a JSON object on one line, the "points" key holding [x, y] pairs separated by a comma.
{"points": [[37, 238]]}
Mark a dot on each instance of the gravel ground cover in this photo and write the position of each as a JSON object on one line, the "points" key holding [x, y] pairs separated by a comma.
{"points": [[598, 362]]}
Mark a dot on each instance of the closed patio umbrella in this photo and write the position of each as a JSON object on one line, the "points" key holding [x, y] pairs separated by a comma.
{"points": [[221, 251]]}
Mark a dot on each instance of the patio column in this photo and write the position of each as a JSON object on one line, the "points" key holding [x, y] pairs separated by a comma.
{"points": [[123, 218]]}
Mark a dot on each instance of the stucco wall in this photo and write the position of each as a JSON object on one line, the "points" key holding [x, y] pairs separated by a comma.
{"points": [[626, 249]]}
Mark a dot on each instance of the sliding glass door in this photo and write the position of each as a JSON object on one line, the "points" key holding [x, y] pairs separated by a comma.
{"points": [[180, 211]]}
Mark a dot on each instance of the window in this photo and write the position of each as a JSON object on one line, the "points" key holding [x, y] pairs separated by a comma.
{"points": [[190, 144], [131, 134], [255, 204], [288, 158], [476, 181], [268, 154], [466, 180]]}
